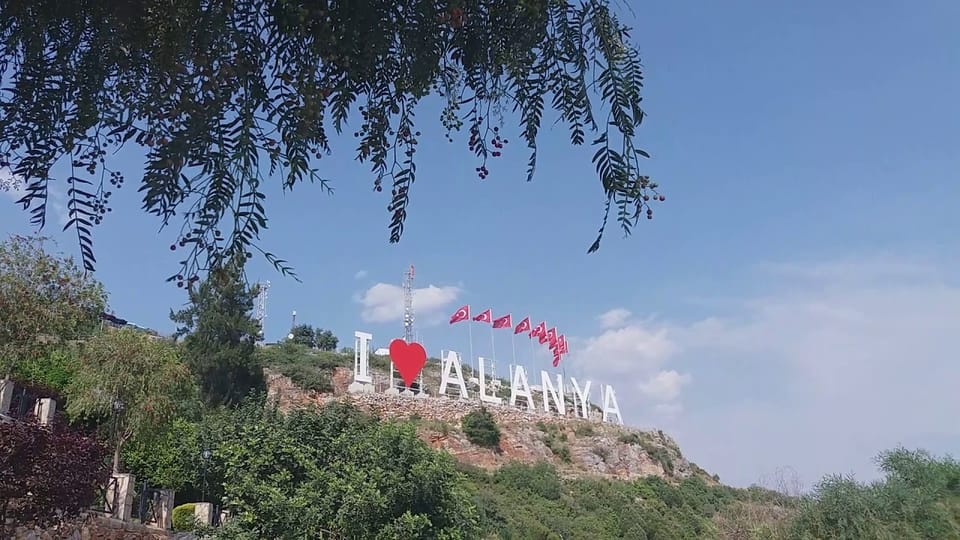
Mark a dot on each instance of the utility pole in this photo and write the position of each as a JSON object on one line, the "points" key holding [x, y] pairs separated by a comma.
{"points": [[264, 286]]}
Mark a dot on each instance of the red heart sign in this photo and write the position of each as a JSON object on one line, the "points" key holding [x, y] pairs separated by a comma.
{"points": [[408, 358]]}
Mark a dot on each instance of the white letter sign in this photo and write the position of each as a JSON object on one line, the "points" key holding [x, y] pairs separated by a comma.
{"points": [[610, 406], [581, 396], [483, 386], [556, 393], [520, 388], [452, 361]]}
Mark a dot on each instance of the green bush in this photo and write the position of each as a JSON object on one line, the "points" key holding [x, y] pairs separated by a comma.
{"points": [[556, 440], [183, 517], [584, 429], [481, 428], [629, 438]]}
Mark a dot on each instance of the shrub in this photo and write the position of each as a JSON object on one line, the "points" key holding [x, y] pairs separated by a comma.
{"points": [[481, 428], [47, 474], [184, 518], [556, 440], [541, 479], [629, 438], [439, 426], [584, 430]]}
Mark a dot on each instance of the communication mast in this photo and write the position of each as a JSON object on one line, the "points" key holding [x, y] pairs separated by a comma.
{"points": [[408, 306], [264, 286]]}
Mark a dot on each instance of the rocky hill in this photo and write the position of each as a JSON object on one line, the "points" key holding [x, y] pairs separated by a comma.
{"points": [[575, 446]]}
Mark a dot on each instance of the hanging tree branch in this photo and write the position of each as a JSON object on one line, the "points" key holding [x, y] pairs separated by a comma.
{"points": [[225, 96]]}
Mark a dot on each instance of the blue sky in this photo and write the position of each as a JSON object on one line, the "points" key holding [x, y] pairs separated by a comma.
{"points": [[793, 303]]}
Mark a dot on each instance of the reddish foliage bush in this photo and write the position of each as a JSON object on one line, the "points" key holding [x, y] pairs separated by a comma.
{"points": [[48, 474]]}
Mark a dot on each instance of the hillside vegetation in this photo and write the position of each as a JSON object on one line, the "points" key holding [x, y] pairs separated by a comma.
{"points": [[177, 416]]}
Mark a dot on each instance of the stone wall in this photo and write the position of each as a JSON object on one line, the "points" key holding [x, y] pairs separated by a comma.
{"points": [[98, 528]]}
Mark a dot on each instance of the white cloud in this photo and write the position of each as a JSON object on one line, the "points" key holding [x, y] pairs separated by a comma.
{"points": [[11, 185], [664, 387], [837, 362], [383, 302], [15, 189], [614, 318], [360, 274]]}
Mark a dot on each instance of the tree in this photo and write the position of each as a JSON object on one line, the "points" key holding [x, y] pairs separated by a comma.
{"points": [[45, 300], [337, 469], [224, 97], [132, 380], [47, 474], [481, 428], [220, 336], [326, 341], [303, 334]]}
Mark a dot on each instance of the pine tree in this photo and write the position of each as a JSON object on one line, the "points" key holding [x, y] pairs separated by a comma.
{"points": [[220, 336]]}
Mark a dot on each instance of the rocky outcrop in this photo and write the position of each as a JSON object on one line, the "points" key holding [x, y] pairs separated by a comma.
{"points": [[576, 446]]}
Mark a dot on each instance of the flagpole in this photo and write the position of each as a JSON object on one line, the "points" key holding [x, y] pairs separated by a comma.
{"points": [[470, 333], [530, 364], [493, 352], [513, 345]]}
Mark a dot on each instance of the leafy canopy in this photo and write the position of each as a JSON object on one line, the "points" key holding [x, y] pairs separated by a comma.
{"points": [[225, 97], [47, 474], [337, 470], [220, 336], [132, 380], [44, 300]]}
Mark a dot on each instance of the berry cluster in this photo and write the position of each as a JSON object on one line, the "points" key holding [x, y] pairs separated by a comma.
{"points": [[101, 208], [188, 281], [497, 142]]}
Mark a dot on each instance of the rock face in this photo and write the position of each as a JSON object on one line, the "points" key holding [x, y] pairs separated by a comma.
{"points": [[575, 446]]}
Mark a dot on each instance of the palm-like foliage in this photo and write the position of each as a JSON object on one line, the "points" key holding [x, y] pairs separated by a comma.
{"points": [[226, 96]]}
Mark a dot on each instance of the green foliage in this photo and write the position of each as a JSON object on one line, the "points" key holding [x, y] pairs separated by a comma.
{"points": [[303, 334], [54, 370], [310, 370], [45, 300], [326, 341], [556, 440], [134, 382], [481, 428], [220, 336], [440, 426], [918, 498], [170, 458], [629, 438], [184, 517], [584, 429], [337, 469], [532, 501], [306, 335], [226, 98]]}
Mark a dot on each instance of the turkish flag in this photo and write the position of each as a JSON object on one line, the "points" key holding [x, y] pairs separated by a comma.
{"points": [[486, 316], [562, 344], [503, 322], [462, 314], [552, 337], [524, 326], [556, 358], [539, 331]]}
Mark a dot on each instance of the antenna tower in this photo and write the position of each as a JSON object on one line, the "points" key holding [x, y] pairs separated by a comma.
{"points": [[262, 304], [408, 306]]}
